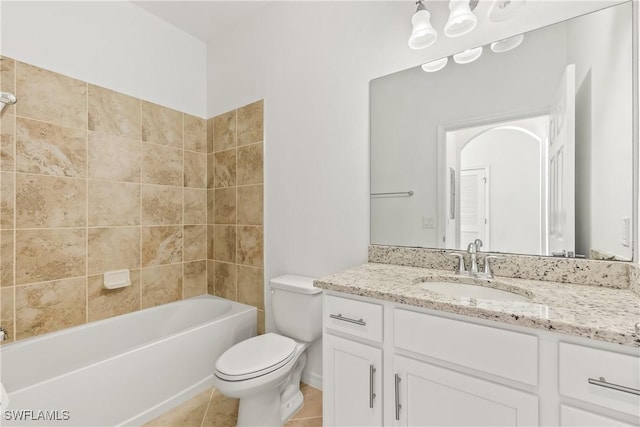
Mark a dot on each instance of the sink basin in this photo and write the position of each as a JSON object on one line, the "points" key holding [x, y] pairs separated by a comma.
{"points": [[462, 290]]}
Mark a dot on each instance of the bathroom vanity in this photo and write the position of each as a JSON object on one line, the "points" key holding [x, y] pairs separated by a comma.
{"points": [[396, 353]]}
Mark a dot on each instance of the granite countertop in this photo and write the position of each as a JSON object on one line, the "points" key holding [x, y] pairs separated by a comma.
{"points": [[599, 313]]}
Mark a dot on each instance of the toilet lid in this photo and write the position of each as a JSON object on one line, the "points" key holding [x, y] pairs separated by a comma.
{"points": [[255, 357]]}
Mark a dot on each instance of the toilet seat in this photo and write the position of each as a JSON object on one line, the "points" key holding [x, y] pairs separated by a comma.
{"points": [[255, 357]]}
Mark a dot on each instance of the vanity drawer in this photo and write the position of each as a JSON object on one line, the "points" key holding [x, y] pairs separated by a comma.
{"points": [[508, 354], [353, 317], [578, 364]]}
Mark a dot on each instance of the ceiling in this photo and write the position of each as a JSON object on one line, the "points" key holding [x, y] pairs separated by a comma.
{"points": [[204, 20]]}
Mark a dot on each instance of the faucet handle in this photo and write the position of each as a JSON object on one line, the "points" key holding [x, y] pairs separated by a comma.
{"points": [[461, 269], [478, 244], [487, 264]]}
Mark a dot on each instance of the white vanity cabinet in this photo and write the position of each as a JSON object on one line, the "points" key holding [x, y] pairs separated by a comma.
{"points": [[398, 365], [352, 382], [428, 395]]}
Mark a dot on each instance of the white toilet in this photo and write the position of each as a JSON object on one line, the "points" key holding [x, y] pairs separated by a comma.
{"points": [[264, 371]]}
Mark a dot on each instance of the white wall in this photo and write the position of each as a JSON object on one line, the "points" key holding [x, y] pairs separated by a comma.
{"points": [[113, 44], [513, 159]]}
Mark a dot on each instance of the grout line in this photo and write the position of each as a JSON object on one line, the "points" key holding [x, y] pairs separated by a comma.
{"points": [[140, 280], [236, 203], [206, 410], [86, 217]]}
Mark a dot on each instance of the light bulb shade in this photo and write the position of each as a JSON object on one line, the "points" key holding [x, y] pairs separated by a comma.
{"points": [[501, 10], [467, 56], [422, 34], [461, 20], [507, 44], [437, 65]]}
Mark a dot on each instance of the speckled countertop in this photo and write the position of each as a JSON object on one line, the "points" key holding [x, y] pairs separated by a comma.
{"points": [[600, 313]]}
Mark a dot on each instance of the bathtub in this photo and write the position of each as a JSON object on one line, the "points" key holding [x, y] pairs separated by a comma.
{"points": [[125, 370]]}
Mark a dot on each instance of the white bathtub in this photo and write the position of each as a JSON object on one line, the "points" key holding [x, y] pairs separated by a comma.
{"points": [[125, 370]]}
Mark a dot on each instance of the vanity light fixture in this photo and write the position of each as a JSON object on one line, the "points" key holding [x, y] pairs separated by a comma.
{"points": [[501, 10], [505, 45], [437, 65], [461, 18], [468, 56], [423, 34]]}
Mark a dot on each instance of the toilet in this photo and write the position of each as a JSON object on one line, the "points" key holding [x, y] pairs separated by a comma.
{"points": [[264, 371]]}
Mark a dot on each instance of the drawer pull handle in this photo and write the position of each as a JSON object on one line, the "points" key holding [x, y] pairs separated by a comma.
{"points": [[348, 319], [372, 395], [601, 382], [398, 405]]}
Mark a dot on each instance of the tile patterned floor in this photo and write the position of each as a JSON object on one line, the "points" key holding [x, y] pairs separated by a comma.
{"points": [[310, 415], [212, 409]]}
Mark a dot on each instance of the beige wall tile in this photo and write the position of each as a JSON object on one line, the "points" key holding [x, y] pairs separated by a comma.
{"points": [[250, 118], [7, 142], [161, 245], [210, 240], [250, 246], [195, 170], [114, 113], [49, 202], [211, 170], [113, 203], [49, 149], [211, 277], [161, 125], [188, 414], [251, 286], [8, 80], [225, 168], [250, 205], [250, 164], [7, 311], [224, 248], [161, 205], [113, 248], [104, 303], [225, 280], [50, 306], [211, 200], [7, 200], [195, 279], [195, 134], [222, 411], [261, 321], [161, 285], [161, 165], [195, 242], [195, 206], [225, 206], [113, 158], [210, 135], [6, 258], [224, 131], [51, 97], [44, 255]]}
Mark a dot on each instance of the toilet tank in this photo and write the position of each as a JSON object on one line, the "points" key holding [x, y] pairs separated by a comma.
{"points": [[297, 307]]}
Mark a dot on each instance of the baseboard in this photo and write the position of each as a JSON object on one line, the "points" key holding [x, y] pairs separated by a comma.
{"points": [[313, 379]]}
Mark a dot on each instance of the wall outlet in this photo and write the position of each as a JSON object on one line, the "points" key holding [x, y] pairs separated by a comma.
{"points": [[428, 222], [626, 231]]}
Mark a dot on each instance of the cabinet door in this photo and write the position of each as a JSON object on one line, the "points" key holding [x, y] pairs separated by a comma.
{"points": [[574, 417], [427, 395], [352, 383]]}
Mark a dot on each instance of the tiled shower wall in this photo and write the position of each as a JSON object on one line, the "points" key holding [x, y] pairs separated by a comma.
{"points": [[92, 180], [235, 202]]}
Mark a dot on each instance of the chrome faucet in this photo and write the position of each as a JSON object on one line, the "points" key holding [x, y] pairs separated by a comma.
{"points": [[472, 249], [473, 271]]}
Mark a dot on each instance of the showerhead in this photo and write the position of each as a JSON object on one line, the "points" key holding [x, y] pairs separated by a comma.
{"points": [[7, 98]]}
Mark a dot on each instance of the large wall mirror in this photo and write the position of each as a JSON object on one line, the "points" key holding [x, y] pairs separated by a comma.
{"points": [[529, 150]]}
